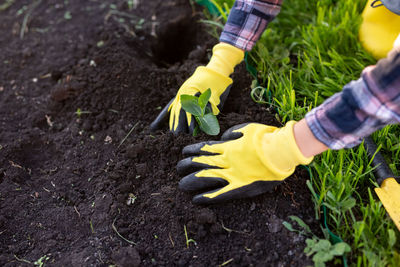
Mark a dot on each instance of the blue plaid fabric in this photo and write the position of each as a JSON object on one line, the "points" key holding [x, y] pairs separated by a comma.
{"points": [[363, 106], [392, 5], [247, 21]]}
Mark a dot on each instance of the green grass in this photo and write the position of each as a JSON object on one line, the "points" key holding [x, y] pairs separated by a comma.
{"points": [[308, 53]]}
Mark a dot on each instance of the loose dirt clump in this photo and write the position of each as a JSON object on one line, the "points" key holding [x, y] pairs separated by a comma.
{"points": [[82, 181]]}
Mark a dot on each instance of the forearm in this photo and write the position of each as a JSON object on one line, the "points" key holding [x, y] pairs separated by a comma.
{"points": [[247, 21], [363, 106], [308, 145]]}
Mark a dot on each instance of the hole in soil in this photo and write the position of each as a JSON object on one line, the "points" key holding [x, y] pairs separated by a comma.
{"points": [[174, 41]]}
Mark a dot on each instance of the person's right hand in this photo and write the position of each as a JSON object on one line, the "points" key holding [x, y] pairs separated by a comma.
{"points": [[214, 76], [251, 159]]}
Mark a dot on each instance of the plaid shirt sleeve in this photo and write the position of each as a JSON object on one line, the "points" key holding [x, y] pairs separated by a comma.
{"points": [[361, 108], [248, 20]]}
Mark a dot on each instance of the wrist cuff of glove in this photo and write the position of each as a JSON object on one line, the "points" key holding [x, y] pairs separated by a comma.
{"points": [[281, 151], [225, 57]]}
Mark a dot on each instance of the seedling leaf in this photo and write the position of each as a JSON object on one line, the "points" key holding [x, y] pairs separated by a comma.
{"points": [[199, 108], [203, 100], [340, 248], [190, 104], [301, 223], [289, 226], [322, 245], [209, 124]]}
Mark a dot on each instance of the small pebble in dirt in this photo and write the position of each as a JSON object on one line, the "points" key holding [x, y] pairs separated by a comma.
{"points": [[274, 224], [108, 139], [126, 256]]}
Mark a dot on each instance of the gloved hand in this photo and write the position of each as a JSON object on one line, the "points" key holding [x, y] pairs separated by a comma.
{"points": [[251, 159], [214, 76], [380, 27]]}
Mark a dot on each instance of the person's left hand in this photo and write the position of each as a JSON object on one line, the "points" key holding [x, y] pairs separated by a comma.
{"points": [[251, 159], [214, 76]]}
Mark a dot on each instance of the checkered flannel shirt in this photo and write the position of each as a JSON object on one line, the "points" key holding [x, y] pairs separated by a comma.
{"points": [[362, 107], [247, 21]]}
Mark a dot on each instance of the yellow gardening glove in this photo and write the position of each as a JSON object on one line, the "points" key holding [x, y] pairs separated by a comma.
{"points": [[251, 159], [380, 27], [214, 76]]}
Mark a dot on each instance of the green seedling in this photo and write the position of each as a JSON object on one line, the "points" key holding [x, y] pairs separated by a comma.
{"points": [[91, 227], [40, 262], [321, 248], [197, 106], [100, 43], [131, 199], [67, 15], [188, 241], [79, 112], [324, 251]]}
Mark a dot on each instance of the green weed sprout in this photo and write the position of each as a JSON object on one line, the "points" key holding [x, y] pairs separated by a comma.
{"points": [[188, 241], [40, 262], [322, 249], [79, 112], [197, 106]]}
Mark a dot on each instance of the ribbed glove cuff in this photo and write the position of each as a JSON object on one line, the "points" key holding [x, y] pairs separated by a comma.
{"points": [[224, 59]]}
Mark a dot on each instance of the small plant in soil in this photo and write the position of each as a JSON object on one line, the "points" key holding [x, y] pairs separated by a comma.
{"points": [[197, 106], [322, 249], [188, 241], [80, 112]]}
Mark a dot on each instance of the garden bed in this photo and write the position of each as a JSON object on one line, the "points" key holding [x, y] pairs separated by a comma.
{"points": [[82, 180]]}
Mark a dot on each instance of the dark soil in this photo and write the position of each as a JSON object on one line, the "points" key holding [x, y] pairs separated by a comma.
{"points": [[82, 181]]}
